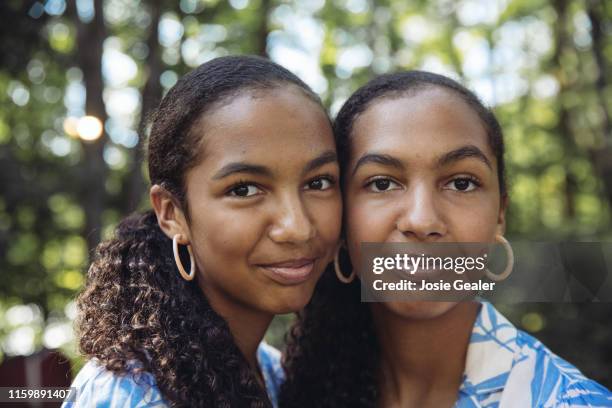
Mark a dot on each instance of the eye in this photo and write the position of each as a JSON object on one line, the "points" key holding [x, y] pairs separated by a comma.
{"points": [[463, 184], [380, 185], [321, 183], [244, 190]]}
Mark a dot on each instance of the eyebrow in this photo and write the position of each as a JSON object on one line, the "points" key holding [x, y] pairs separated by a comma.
{"points": [[241, 167], [383, 159], [464, 152], [324, 158], [248, 168]]}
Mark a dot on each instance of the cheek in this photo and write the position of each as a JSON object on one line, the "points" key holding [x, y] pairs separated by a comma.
{"points": [[223, 238], [369, 220], [326, 215], [475, 221]]}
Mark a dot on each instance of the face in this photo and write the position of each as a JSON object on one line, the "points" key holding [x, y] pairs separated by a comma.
{"points": [[421, 170], [264, 201]]}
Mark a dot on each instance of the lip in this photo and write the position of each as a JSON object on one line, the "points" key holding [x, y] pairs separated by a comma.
{"points": [[290, 272]]}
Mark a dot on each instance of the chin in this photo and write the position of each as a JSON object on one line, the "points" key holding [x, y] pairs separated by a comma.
{"points": [[419, 310], [292, 300]]}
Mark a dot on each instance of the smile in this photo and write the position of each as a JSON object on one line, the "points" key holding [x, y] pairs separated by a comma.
{"points": [[290, 272]]}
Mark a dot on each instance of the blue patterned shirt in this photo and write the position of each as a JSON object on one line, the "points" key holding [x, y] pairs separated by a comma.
{"points": [[98, 387], [507, 368]]}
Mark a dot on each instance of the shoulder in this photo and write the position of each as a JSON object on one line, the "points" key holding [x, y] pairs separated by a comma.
{"points": [[507, 365], [97, 386], [553, 380]]}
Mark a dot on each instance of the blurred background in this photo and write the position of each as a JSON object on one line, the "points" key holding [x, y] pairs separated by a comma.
{"points": [[78, 79]]}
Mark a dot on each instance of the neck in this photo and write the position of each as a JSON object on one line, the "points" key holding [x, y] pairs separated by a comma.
{"points": [[422, 360], [246, 324]]}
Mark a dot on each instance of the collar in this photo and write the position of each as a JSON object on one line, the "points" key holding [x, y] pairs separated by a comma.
{"points": [[491, 353]]}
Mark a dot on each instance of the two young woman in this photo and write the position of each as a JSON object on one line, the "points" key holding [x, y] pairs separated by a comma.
{"points": [[246, 176]]}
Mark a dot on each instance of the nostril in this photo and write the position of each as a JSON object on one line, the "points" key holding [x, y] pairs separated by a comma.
{"points": [[422, 224], [422, 233]]}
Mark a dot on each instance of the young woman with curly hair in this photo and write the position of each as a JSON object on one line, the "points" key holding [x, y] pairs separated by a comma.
{"points": [[422, 161], [246, 216]]}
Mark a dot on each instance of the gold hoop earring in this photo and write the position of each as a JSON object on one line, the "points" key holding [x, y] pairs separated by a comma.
{"points": [[339, 274], [497, 277], [187, 276]]}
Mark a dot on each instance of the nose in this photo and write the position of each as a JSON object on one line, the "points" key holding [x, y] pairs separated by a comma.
{"points": [[292, 223], [419, 217]]}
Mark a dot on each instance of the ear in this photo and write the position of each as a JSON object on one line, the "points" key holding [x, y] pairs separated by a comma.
{"points": [[170, 216], [501, 218]]}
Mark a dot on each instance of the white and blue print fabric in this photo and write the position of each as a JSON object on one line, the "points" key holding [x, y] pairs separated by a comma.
{"points": [[98, 387], [507, 368]]}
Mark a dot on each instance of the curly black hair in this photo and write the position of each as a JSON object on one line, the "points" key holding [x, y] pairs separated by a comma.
{"points": [[332, 354], [135, 306]]}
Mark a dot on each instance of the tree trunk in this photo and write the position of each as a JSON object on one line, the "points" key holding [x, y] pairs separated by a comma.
{"points": [[563, 128], [602, 157], [90, 38], [151, 95], [264, 28]]}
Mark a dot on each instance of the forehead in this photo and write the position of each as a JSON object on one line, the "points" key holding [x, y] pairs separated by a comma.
{"points": [[264, 126], [427, 123]]}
